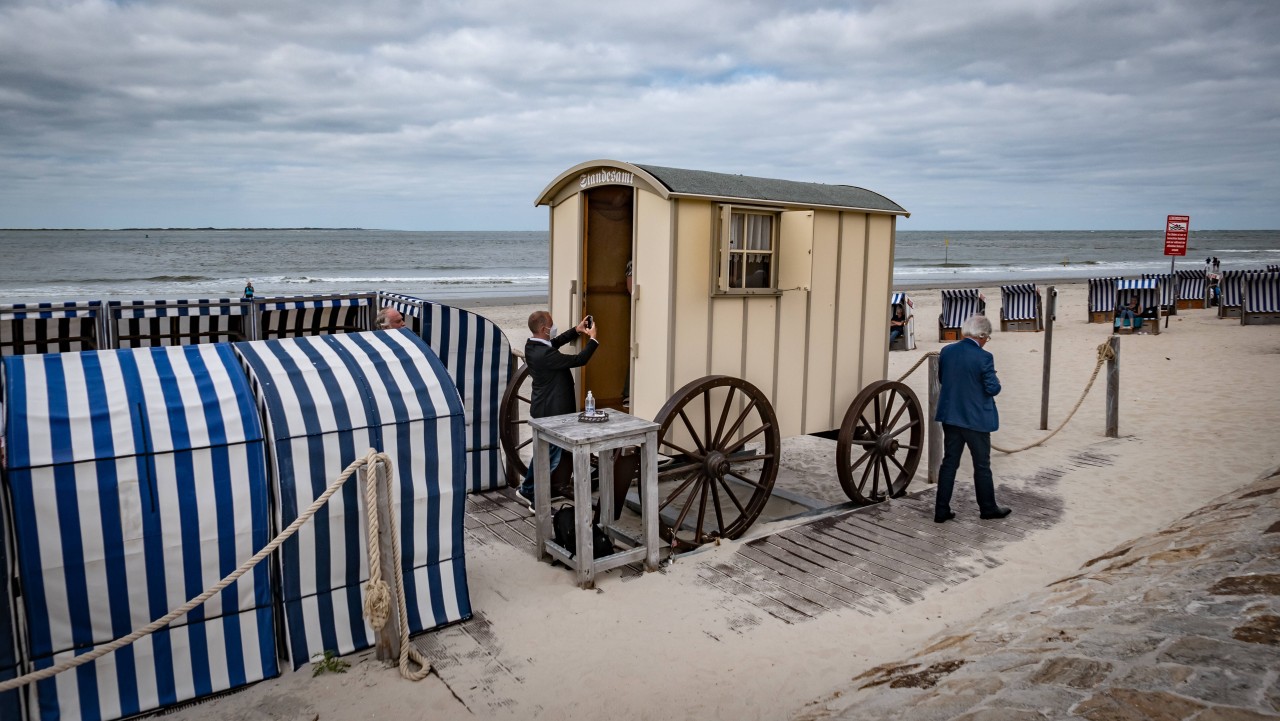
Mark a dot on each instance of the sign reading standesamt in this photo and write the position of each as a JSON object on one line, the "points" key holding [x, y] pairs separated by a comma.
{"points": [[1175, 234]]}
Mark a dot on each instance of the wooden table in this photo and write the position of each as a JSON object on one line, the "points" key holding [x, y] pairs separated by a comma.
{"points": [[604, 439]]}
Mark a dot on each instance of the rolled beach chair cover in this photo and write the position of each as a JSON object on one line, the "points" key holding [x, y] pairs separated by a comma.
{"points": [[51, 327], [908, 340], [326, 400], [1191, 288], [1260, 299], [1148, 291], [1102, 299], [1020, 307], [310, 315], [148, 323], [137, 479], [957, 305]]}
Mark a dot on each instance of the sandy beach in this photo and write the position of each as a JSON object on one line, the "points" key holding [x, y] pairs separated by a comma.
{"points": [[1200, 413]]}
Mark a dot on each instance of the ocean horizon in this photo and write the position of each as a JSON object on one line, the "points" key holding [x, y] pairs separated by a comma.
{"points": [[485, 267]]}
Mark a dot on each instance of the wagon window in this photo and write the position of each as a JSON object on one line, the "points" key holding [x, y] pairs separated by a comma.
{"points": [[748, 248]]}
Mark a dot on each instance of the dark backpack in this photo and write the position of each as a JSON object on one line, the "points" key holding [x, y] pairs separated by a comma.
{"points": [[564, 528]]}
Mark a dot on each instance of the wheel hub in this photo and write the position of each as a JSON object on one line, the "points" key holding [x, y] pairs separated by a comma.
{"points": [[886, 445], [717, 463]]}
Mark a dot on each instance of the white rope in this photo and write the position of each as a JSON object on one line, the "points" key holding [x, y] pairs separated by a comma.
{"points": [[374, 568]]}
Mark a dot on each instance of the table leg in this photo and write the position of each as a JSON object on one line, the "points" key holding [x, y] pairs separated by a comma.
{"points": [[542, 494], [582, 515], [606, 461], [649, 500]]}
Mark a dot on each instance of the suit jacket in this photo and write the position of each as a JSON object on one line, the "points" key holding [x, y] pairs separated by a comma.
{"points": [[553, 393], [969, 387]]}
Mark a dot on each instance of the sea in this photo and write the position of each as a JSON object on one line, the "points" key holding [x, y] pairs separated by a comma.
{"points": [[482, 267]]}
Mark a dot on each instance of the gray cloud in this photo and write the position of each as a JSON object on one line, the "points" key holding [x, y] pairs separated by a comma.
{"points": [[988, 114]]}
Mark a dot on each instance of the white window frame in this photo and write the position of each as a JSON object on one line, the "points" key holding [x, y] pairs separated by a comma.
{"points": [[724, 227]]}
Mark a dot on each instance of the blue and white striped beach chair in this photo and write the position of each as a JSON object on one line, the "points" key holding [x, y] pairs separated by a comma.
{"points": [[1260, 299], [1102, 299], [1148, 292], [1168, 291], [1191, 289], [1230, 286], [1021, 308], [51, 327], [137, 479], [311, 315], [478, 357], [327, 399], [957, 305], [147, 323], [907, 341]]}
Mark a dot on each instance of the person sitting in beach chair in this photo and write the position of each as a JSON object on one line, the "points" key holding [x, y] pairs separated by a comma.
{"points": [[898, 323], [1130, 314]]}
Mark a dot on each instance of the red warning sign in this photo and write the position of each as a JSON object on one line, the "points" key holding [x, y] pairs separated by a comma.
{"points": [[1175, 234]]}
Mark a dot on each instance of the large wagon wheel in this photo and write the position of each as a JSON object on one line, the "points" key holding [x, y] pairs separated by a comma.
{"points": [[880, 440], [513, 426], [720, 442]]}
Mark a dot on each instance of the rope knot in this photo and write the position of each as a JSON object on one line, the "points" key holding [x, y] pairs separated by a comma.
{"points": [[377, 603]]}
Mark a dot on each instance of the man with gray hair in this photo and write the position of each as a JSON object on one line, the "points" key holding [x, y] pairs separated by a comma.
{"points": [[388, 319], [967, 412]]}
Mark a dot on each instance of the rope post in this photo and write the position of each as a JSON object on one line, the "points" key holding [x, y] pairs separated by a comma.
{"points": [[1048, 357], [387, 647], [1113, 389], [935, 428]]}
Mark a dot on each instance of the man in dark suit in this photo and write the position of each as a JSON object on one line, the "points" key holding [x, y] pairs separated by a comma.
{"points": [[967, 412], [551, 370]]}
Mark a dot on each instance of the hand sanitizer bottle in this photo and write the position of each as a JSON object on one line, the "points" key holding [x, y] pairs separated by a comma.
{"points": [[591, 404]]}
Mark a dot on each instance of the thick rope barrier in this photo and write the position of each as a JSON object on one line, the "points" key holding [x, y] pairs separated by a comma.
{"points": [[374, 570], [1104, 354]]}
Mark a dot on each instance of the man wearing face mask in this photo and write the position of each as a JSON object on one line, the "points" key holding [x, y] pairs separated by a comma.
{"points": [[553, 392]]}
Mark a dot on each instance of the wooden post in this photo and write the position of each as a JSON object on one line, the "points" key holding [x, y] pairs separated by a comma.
{"points": [[935, 428], [1113, 389], [388, 641], [1048, 357]]}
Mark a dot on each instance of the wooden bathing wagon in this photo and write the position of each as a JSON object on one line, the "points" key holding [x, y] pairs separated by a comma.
{"points": [[759, 308]]}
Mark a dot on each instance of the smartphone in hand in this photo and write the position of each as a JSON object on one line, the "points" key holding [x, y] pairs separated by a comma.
{"points": [[590, 321]]}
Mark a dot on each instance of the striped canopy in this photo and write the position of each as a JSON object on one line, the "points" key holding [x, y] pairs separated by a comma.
{"points": [[1191, 284], [1102, 295], [1020, 301], [294, 316], [1261, 293], [145, 323], [478, 358], [959, 304], [1168, 288], [51, 327], [326, 401], [1147, 289], [137, 479]]}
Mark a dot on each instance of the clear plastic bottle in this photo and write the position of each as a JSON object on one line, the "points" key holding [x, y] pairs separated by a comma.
{"points": [[591, 404]]}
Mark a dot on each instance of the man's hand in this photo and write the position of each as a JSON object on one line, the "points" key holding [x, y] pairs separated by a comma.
{"points": [[584, 330]]}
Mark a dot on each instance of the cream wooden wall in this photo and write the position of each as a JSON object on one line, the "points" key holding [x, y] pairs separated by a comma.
{"points": [[566, 261], [652, 302]]}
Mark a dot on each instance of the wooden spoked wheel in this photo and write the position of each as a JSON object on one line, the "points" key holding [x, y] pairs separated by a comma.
{"points": [[719, 445], [513, 426], [879, 445]]}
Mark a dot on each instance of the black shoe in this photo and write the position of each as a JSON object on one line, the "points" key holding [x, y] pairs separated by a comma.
{"points": [[998, 513], [943, 518]]}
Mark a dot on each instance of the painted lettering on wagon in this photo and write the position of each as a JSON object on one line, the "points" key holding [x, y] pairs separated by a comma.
{"points": [[615, 177]]}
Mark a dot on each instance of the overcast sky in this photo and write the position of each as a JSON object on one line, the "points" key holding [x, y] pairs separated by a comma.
{"points": [[982, 114]]}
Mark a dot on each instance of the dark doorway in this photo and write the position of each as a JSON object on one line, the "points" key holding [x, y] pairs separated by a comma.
{"points": [[608, 215]]}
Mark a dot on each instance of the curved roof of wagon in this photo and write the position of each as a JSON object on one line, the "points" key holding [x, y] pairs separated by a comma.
{"points": [[679, 182]]}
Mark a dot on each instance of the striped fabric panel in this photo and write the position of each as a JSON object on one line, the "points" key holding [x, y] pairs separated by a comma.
{"points": [[1231, 284], [896, 298], [1261, 293], [1191, 284], [138, 480], [327, 400], [10, 701], [174, 308], [51, 327], [957, 305], [1168, 288], [1020, 302], [1147, 290], [311, 316], [1102, 295], [154, 331]]}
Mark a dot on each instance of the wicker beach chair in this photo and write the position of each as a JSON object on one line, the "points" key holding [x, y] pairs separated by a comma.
{"points": [[1102, 299], [1021, 308], [1168, 291], [907, 341], [957, 305], [27, 328], [311, 315], [1191, 289], [1149, 293], [151, 323], [1260, 299]]}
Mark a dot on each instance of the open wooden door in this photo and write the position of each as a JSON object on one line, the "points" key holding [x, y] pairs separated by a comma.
{"points": [[608, 212]]}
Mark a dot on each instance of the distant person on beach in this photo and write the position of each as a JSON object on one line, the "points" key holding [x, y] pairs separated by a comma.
{"points": [[967, 412], [1216, 265], [248, 290], [388, 319], [898, 323], [1131, 313], [553, 393]]}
